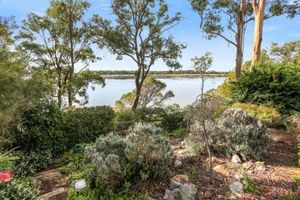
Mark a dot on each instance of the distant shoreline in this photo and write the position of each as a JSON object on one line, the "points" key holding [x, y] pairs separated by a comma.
{"points": [[159, 74], [130, 76]]}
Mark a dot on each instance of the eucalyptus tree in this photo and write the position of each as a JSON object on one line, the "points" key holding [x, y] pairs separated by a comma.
{"points": [[278, 7], [18, 88], [140, 33], [60, 45], [228, 19]]}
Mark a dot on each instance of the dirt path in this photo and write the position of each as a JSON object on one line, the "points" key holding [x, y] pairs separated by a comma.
{"points": [[53, 185]]}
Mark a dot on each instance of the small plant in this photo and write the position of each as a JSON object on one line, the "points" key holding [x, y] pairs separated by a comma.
{"points": [[193, 175], [249, 185], [178, 133]]}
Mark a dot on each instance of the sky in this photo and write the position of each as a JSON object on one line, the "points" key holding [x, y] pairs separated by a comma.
{"points": [[277, 29]]}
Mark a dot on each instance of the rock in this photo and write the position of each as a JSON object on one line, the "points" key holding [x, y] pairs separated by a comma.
{"points": [[188, 191], [172, 194], [236, 159], [260, 166], [236, 188], [178, 164], [238, 176], [178, 180], [222, 170]]}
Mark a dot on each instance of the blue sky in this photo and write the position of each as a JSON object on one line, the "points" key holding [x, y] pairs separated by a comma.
{"points": [[279, 29]]}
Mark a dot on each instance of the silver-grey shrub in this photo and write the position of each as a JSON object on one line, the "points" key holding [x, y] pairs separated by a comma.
{"points": [[241, 133], [115, 160]]}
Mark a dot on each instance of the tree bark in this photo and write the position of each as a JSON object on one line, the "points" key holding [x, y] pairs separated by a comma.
{"points": [[240, 38], [72, 64], [259, 12]]}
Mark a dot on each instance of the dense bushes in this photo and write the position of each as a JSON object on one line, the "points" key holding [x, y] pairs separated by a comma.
{"points": [[41, 129], [84, 125], [172, 118], [45, 132], [274, 85], [242, 134], [142, 155], [17, 189], [268, 115]]}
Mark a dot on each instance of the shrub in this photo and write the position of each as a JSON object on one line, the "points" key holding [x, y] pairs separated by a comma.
{"points": [[241, 133], [17, 189], [179, 133], [124, 120], [30, 163], [142, 155], [84, 125], [173, 118], [40, 130], [268, 115], [274, 85]]}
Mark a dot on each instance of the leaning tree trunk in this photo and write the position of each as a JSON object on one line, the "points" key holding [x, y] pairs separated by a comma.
{"points": [[259, 12]]}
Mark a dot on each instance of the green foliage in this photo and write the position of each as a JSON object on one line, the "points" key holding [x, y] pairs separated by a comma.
{"points": [[17, 189], [224, 90], [41, 129], [89, 194], [242, 134], [268, 115], [249, 185], [173, 118], [274, 85], [178, 133], [7, 161], [193, 175], [31, 162], [151, 96], [142, 155], [124, 120], [59, 42], [84, 125]]}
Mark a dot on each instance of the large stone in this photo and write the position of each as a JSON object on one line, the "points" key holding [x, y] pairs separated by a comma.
{"points": [[188, 191], [172, 194], [236, 159], [236, 188], [222, 170], [178, 180]]}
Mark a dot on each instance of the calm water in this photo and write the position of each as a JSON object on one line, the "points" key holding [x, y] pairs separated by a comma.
{"points": [[185, 89]]}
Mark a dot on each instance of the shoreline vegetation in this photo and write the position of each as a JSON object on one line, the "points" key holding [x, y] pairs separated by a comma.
{"points": [[112, 74]]}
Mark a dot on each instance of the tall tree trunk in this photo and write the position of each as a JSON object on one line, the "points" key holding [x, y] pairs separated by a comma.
{"points": [[239, 37], [59, 92], [72, 64], [139, 80], [259, 12]]}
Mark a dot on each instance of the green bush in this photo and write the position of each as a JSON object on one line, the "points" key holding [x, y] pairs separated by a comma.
{"points": [[17, 189], [85, 125], [30, 163], [124, 120], [173, 119], [179, 133], [274, 85], [89, 194], [240, 133], [268, 115], [41, 129], [116, 160]]}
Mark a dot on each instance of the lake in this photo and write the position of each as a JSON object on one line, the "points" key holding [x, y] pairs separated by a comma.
{"points": [[185, 89]]}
